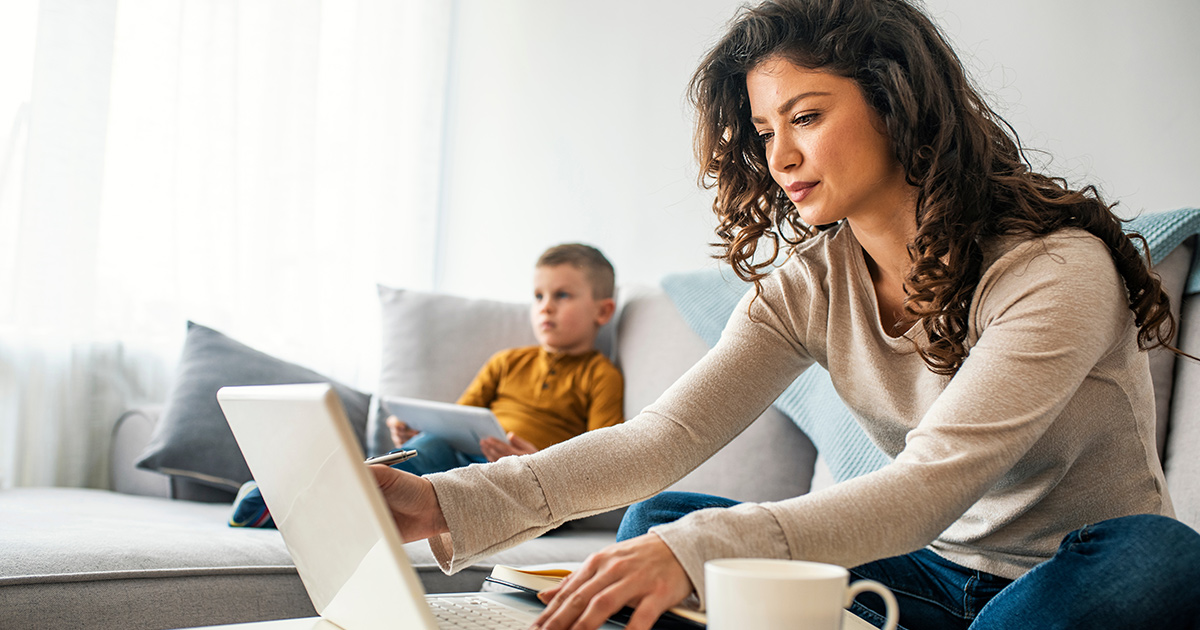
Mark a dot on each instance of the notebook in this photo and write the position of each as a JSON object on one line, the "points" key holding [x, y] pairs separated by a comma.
{"points": [[303, 454]]}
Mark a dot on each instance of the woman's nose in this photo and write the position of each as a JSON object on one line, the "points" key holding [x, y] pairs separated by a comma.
{"points": [[783, 154]]}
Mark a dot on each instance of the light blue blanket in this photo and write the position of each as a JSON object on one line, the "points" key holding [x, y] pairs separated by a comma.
{"points": [[707, 298]]}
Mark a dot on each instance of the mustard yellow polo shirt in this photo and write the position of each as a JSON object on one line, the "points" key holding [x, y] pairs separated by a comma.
{"points": [[547, 397]]}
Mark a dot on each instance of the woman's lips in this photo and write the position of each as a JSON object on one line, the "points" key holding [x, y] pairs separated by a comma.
{"points": [[797, 191]]}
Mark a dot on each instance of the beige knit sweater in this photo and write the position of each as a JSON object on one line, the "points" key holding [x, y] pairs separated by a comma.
{"points": [[1047, 426]]}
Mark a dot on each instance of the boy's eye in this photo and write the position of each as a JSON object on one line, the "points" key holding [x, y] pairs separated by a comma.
{"points": [[562, 294]]}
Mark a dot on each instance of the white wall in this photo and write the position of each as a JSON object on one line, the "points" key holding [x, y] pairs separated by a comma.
{"points": [[568, 121], [1109, 88]]}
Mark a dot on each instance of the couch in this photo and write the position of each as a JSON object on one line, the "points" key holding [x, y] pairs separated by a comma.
{"points": [[155, 552]]}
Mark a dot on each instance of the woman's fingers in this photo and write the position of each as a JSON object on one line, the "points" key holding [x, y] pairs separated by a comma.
{"points": [[647, 612], [647, 608], [412, 502], [641, 572], [559, 597]]}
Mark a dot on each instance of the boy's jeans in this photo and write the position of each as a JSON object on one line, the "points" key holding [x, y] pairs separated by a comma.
{"points": [[1131, 572], [435, 455]]}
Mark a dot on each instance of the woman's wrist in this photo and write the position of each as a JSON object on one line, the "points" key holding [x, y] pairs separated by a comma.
{"points": [[437, 524]]}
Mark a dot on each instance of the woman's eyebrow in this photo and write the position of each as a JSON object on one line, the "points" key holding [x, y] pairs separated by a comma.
{"points": [[788, 104]]}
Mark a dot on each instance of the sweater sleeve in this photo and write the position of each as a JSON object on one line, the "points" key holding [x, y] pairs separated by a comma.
{"points": [[606, 399], [495, 506], [1046, 320]]}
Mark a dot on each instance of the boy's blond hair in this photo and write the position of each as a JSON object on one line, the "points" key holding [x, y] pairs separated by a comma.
{"points": [[586, 258]]}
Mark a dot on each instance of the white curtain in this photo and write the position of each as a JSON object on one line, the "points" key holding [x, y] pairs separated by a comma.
{"points": [[255, 166]]}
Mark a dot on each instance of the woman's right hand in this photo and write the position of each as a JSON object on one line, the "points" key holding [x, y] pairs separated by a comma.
{"points": [[412, 502], [641, 573], [401, 432]]}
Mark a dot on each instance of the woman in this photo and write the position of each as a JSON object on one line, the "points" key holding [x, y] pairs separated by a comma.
{"points": [[986, 324]]}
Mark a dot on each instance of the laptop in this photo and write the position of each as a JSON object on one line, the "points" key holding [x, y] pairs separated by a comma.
{"points": [[346, 547]]}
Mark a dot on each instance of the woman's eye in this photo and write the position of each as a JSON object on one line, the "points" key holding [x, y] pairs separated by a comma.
{"points": [[765, 137], [804, 120]]}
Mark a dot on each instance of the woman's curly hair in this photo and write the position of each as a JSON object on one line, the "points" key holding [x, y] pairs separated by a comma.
{"points": [[971, 177]]}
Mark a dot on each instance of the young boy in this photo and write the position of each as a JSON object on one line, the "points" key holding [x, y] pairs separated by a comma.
{"points": [[548, 393], [542, 394]]}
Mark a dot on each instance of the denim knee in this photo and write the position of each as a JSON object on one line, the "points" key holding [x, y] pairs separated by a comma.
{"points": [[1161, 541], [1114, 574], [665, 507]]}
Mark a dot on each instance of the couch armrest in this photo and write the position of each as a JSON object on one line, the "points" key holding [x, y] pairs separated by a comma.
{"points": [[130, 436]]}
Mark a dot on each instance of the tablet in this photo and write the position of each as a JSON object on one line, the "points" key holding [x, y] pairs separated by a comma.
{"points": [[461, 426]]}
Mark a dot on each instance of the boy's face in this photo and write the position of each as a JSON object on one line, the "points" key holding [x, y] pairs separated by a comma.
{"points": [[565, 314]]}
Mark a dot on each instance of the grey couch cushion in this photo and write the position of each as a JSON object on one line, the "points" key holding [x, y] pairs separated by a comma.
{"points": [[1173, 270], [656, 347], [434, 344], [1182, 464], [192, 439]]}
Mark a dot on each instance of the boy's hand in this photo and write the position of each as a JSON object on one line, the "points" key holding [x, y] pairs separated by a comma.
{"points": [[412, 502], [494, 449], [401, 432]]}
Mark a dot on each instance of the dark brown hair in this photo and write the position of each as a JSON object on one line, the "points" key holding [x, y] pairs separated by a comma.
{"points": [[971, 177], [587, 259]]}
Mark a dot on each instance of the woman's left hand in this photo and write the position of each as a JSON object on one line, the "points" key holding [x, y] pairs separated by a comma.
{"points": [[641, 573]]}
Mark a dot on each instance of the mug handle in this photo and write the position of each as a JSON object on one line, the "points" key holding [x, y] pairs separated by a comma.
{"points": [[893, 609]]}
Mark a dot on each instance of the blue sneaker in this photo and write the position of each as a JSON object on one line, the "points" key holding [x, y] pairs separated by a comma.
{"points": [[249, 509]]}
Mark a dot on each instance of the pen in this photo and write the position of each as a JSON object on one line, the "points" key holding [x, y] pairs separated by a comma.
{"points": [[392, 457]]}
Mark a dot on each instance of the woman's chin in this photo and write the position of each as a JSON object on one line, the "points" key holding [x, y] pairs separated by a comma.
{"points": [[814, 216]]}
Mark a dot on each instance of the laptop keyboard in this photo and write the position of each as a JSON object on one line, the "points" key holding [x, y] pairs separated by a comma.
{"points": [[470, 613]]}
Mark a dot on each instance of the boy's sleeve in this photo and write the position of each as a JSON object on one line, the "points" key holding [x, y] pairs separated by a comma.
{"points": [[607, 397], [482, 391]]}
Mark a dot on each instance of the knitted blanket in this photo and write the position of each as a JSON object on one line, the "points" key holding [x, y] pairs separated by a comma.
{"points": [[707, 298], [1164, 231]]}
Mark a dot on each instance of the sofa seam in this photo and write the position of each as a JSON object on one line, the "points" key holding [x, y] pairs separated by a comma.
{"points": [[136, 574]]}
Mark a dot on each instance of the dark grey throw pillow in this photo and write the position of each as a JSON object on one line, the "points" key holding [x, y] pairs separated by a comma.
{"points": [[192, 438]]}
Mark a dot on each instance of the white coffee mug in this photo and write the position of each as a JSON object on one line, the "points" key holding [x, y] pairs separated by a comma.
{"points": [[767, 594]]}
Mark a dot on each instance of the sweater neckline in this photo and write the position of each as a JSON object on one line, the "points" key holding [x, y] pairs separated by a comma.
{"points": [[863, 275]]}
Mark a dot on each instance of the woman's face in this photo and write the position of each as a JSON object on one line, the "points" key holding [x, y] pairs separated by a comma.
{"points": [[825, 146]]}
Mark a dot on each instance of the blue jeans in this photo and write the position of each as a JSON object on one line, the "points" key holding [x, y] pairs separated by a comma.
{"points": [[1131, 572], [435, 455]]}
